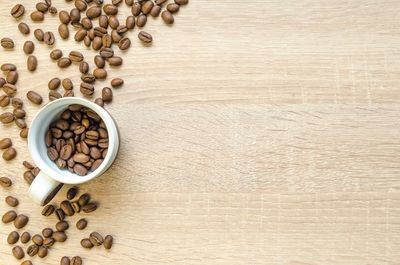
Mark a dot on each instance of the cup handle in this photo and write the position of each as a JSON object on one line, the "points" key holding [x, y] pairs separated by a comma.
{"points": [[43, 188]]}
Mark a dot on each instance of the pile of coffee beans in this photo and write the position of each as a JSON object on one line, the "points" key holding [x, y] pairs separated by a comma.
{"points": [[78, 140]]}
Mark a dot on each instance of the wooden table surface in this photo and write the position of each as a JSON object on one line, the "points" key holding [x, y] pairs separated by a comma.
{"points": [[262, 132]]}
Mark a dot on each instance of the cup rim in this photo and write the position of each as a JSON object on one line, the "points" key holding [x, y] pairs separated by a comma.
{"points": [[113, 135]]}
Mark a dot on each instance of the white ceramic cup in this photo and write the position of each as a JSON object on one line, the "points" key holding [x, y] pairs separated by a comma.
{"points": [[51, 178]]}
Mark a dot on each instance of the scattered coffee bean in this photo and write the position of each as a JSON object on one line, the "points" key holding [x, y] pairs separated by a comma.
{"points": [[107, 94], [155, 11], [64, 62], [17, 103], [20, 221], [75, 15], [110, 9], [37, 16], [25, 237], [48, 210], [129, 2], [19, 113], [9, 217], [84, 199], [48, 242], [27, 262], [167, 17], [9, 154], [39, 34], [86, 89], [17, 11], [145, 37], [115, 36], [76, 56], [67, 84], [130, 22], [18, 252], [86, 243], [37, 239], [56, 54], [173, 7], [32, 250], [12, 201], [54, 83], [71, 193], [47, 232], [5, 143], [7, 43], [59, 236], [100, 73], [99, 101], [62, 226], [29, 47], [20, 123], [10, 89], [27, 165], [29, 177], [84, 67], [13, 237], [42, 7], [75, 205], [63, 31], [90, 207], [6, 117], [181, 2], [4, 100], [108, 242], [76, 260], [96, 239], [93, 12], [53, 10], [67, 208], [42, 252], [124, 43], [65, 261], [141, 20], [53, 95], [60, 214], [12, 77], [34, 97], [81, 224], [32, 63], [24, 28], [64, 17], [8, 67], [5, 182], [147, 6], [136, 9], [115, 61], [48, 38]]}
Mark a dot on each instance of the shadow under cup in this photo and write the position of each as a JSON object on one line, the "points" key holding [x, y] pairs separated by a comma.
{"points": [[38, 148]]}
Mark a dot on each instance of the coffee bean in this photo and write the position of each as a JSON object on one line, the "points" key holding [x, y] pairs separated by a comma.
{"points": [[65, 261], [76, 56], [86, 23], [39, 34], [90, 207], [67, 208], [32, 63], [71, 193], [80, 35], [81, 224], [66, 152], [84, 67], [136, 9], [47, 232], [64, 62], [67, 84], [116, 2], [167, 17], [115, 61], [96, 164], [34, 97], [76, 260], [75, 204], [42, 7], [124, 43], [12, 77], [96, 239], [80, 158], [155, 11], [53, 95], [17, 11], [88, 78], [113, 22], [64, 17], [62, 226], [75, 15], [93, 12], [12, 201], [80, 5], [100, 73], [63, 31], [18, 252], [37, 16], [9, 216], [99, 61], [24, 28], [130, 22], [37, 239], [84, 199], [8, 67], [59, 236], [35, 171], [29, 47], [99, 101], [5, 143], [6, 117], [117, 82], [7, 43], [48, 38], [4, 101], [9, 89], [115, 36], [52, 153], [17, 103], [28, 176], [110, 9], [48, 242], [48, 210], [20, 221], [129, 2], [99, 31], [97, 43], [9, 154], [56, 54], [13, 237], [147, 6], [27, 165], [32, 250], [60, 214], [25, 237], [54, 83], [86, 243], [53, 10], [173, 7], [141, 20], [106, 94], [181, 2], [108, 242], [42, 252], [145, 37]]}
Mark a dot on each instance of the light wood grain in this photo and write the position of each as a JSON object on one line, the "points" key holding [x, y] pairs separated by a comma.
{"points": [[262, 132]]}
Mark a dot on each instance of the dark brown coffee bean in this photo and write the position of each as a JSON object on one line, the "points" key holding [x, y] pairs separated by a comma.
{"points": [[147, 6], [62, 124], [65, 261], [107, 94], [124, 43], [9, 216], [173, 7], [71, 193], [64, 17], [80, 170], [181, 2], [75, 204], [86, 89], [63, 31], [93, 12], [7, 43], [136, 9], [25, 237], [31, 63], [97, 43], [106, 40], [99, 61], [59, 236], [81, 224], [12, 201], [121, 30], [108, 242], [80, 35], [48, 242], [52, 153], [32, 250], [62, 226], [53, 95], [113, 22], [64, 62], [86, 23], [53, 10], [47, 232], [84, 67], [141, 20], [13, 237], [88, 78], [6, 117], [99, 31], [115, 36], [4, 100], [21, 221], [75, 15], [96, 239], [76, 261], [37, 16], [67, 84], [42, 7], [56, 54], [84, 199], [48, 210], [76, 56], [18, 252], [37, 239], [110, 9], [42, 252], [34, 97], [12, 77], [24, 28], [48, 38], [66, 152], [167, 17], [155, 11], [115, 61], [67, 208], [9, 89], [103, 21], [5, 143], [100, 73], [9, 154], [145, 37], [17, 11], [29, 47], [90, 207], [54, 83], [80, 5], [60, 214], [95, 153], [61, 164], [86, 243], [27, 165]]}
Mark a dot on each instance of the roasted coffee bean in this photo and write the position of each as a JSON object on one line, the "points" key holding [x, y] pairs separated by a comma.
{"points": [[31, 63], [27, 165], [48, 242], [6, 117], [37, 16], [17, 11], [39, 34], [90, 207], [9, 154], [106, 40], [20, 123], [9, 89], [115, 36], [100, 73], [99, 31], [68, 93], [60, 214], [37, 239], [136, 9], [65, 261], [145, 37], [108, 242], [24, 28], [81, 158], [20, 221], [86, 243], [67, 208], [110, 9], [116, 2], [56, 54], [173, 7], [29, 176], [5, 182], [29, 47], [34, 97], [42, 7], [93, 12], [35, 171], [80, 5], [64, 17], [18, 252], [25, 237], [130, 22], [75, 15], [115, 61], [155, 11], [64, 62], [99, 61], [97, 43], [66, 152], [47, 232], [54, 83], [76, 56], [16, 103], [42, 252], [96, 164], [13, 237], [81, 224], [53, 95], [12, 201], [63, 31], [124, 43], [4, 100], [121, 30], [95, 153], [84, 199], [88, 78], [59, 236], [9, 216], [52, 153], [8, 67], [32, 250], [53, 10], [113, 22], [181, 2], [96, 239], [141, 20], [7, 43], [86, 89], [48, 210], [5, 143], [129, 2], [84, 67], [76, 260], [48, 38], [80, 35], [167, 17], [103, 21], [12, 77], [75, 205], [86, 23], [71, 193], [99, 101], [62, 226], [147, 6], [107, 94]]}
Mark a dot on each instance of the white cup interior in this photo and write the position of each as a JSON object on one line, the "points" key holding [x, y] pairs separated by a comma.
{"points": [[38, 149]]}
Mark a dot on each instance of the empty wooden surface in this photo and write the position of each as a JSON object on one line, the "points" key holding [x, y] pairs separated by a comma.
{"points": [[253, 132]]}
